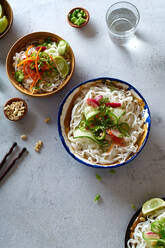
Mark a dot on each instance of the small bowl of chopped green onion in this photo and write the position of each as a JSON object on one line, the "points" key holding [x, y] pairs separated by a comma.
{"points": [[78, 17]]}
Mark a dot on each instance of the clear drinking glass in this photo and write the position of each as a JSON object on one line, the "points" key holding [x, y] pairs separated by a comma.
{"points": [[122, 19]]}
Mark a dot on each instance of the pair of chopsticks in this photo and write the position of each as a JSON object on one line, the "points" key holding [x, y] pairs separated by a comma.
{"points": [[5, 172]]}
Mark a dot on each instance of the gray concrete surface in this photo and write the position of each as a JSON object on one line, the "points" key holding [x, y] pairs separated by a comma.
{"points": [[48, 199]]}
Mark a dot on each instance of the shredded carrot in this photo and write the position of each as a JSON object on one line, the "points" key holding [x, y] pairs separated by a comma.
{"points": [[25, 60], [110, 148], [35, 80], [24, 65], [36, 63], [28, 50], [52, 59]]}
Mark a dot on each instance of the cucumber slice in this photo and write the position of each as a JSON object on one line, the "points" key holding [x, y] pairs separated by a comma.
{"points": [[78, 133], [113, 118], [118, 112], [90, 112]]}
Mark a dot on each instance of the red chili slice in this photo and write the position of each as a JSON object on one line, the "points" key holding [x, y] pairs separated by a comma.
{"points": [[113, 104], [117, 140]]}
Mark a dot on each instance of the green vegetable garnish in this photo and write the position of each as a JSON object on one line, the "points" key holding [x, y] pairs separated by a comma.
{"points": [[124, 128], [97, 197], [99, 117], [112, 171], [77, 17], [19, 76], [99, 133], [98, 177], [157, 235], [133, 206]]}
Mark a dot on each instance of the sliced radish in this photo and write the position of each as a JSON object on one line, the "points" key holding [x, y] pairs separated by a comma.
{"points": [[92, 102], [113, 104]]}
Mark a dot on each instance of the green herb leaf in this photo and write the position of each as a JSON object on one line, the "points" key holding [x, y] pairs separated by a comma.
{"points": [[112, 171], [98, 177], [97, 197], [133, 206], [19, 76]]}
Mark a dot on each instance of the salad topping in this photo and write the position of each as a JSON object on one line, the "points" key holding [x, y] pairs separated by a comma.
{"points": [[42, 66], [101, 122]]}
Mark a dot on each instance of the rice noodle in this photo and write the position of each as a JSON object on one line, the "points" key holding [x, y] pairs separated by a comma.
{"points": [[134, 117]]}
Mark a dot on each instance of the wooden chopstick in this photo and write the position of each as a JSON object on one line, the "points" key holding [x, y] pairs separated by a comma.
{"points": [[7, 154], [12, 163]]}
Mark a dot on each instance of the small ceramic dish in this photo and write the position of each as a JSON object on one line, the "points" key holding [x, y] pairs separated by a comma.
{"points": [[16, 109], [86, 18], [9, 14], [20, 45], [64, 116]]}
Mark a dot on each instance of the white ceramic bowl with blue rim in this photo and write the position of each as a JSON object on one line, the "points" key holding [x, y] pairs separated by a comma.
{"points": [[64, 109]]}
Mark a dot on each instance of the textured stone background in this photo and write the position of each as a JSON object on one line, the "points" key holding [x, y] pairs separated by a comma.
{"points": [[47, 202]]}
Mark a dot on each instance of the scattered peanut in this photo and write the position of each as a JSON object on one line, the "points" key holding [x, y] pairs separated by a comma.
{"points": [[46, 120], [24, 137], [38, 146]]}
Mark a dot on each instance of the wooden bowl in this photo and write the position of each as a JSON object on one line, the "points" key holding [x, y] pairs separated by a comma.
{"points": [[82, 25], [20, 45], [16, 99], [9, 14]]}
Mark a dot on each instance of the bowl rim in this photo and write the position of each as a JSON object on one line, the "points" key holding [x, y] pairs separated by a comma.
{"points": [[11, 19], [45, 94], [99, 165], [82, 25]]}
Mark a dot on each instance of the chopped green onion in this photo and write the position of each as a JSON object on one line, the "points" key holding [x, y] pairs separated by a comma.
{"points": [[133, 206], [113, 118], [77, 17], [19, 75], [124, 128], [97, 197], [112, 171], [99, 133], [98, 177]]}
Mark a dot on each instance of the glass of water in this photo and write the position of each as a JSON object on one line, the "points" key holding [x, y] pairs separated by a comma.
{"points": [[122, 19]]}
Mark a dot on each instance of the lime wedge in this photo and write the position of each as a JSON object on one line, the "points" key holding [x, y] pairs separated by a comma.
{"points": [[0, 10], [62, 66], [152, 205], [3, 24]]}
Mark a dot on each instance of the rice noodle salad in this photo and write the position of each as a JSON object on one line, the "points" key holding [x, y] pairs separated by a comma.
{"points": [[149, 233], [106, 123], [42, 66]]}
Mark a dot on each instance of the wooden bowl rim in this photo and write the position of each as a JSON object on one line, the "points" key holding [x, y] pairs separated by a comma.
{"points": [[22, 89], [10, 20], [16, 99], [82, 25]]}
